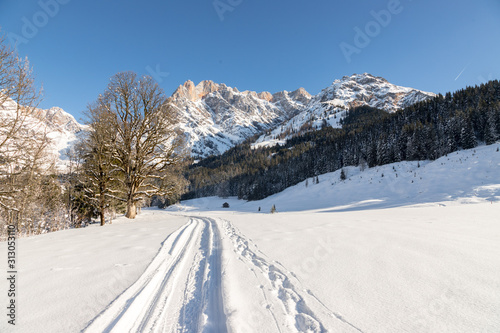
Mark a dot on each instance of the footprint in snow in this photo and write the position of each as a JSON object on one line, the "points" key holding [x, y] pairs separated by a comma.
{"points": [[58, 269], [122, 265]]}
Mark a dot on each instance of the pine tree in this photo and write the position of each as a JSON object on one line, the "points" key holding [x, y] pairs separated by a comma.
{"points": [[467, 136], [490, 132]]}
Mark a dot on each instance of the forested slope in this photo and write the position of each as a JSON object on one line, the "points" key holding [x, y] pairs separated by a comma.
{"points": [[426, 130]]}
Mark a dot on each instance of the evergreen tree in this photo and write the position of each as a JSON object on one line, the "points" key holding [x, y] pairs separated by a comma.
{"points": [[342, 175], [490, 132], [468, 137]]}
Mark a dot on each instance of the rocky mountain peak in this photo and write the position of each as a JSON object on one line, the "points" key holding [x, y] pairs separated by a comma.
{"points": [[206, 87], [215, 117], [60, 127], [367, 89], [364, 79], [301, 95], [332, 104], [189, 91], [265, 95]]}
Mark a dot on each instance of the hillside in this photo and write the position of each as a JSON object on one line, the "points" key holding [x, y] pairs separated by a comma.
{"points": [[369, 136], [415, 247], [61, 128], [463, 177]]}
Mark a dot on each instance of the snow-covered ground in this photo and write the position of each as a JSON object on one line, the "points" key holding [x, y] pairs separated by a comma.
{"points": [[68, 277], [414, 250]]}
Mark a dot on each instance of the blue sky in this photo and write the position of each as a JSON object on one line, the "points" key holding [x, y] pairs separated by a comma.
{"points": [[75, 46]]}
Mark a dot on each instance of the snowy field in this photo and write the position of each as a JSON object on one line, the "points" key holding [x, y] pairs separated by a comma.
{"points": [[407, 247]]}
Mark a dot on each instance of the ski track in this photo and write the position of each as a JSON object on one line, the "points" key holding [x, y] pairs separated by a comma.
{"points": [[180, 291]]}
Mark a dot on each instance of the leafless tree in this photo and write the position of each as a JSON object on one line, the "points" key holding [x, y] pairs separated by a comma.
{"points": [[25, 165], [98, 170], [146, 143]]}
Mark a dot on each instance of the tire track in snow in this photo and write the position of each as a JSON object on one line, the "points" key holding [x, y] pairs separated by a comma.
{"points": [[180, 291]]}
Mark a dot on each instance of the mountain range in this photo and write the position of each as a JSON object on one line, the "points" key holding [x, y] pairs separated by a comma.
{"points": [[60, 127], [215, 117]]}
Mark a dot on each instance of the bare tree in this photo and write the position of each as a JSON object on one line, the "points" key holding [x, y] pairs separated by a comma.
{"points": [[98, 170], [146, 143], [22, 145], [30, 191]]}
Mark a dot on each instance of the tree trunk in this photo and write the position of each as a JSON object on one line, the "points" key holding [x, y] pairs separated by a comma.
{"points": [[131, 210], [102, 204], [103, 220]]}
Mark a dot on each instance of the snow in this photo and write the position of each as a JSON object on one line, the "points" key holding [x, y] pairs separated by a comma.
{"points": [[267, 143], [60, 127], [182, 279], [416, 252], [67, 278]]}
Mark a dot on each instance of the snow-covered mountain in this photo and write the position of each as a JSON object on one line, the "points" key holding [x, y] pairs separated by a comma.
{"points": [[60, 126], [215, 117], [332, 103]]}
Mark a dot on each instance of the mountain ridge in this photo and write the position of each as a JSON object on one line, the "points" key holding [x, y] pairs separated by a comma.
{"points": [[60, 127], [215, 117]]}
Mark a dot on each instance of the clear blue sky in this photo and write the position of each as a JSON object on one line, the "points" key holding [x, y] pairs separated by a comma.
{"points": [[258, 45]]}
